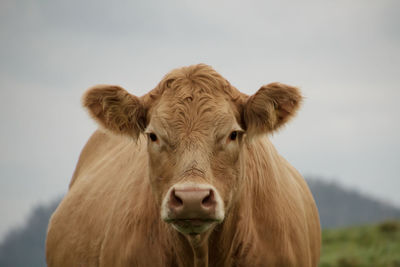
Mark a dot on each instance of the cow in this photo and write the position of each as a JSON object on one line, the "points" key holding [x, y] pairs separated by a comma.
{"points": [[186, 176]]}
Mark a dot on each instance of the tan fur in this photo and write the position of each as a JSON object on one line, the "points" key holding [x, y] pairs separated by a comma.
{"points": [[115, 109], [111, 214], [271, 107]]}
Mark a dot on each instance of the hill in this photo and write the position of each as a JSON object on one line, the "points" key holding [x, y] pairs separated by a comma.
{"points": [[339, 207], [23, 247]]}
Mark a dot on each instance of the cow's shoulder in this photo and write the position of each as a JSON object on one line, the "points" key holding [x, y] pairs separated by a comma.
{"points": [[110, 169], [283, 212], [98, 144], [103, 146]]}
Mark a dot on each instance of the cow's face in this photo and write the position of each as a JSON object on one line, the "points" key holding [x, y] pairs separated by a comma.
{"points": [[196, 124], [194, 144]]}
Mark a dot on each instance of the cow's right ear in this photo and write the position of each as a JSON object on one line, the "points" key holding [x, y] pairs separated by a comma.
{"points": [[115, 109]]}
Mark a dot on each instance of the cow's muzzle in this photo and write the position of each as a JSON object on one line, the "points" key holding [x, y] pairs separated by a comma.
{"points": [[192, 208]]}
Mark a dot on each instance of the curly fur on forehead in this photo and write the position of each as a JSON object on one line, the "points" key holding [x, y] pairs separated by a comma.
{"points": [[194, 81], [193, 99]]}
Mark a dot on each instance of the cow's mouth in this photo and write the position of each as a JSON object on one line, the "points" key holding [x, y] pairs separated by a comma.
{"points": [[192, 226]]}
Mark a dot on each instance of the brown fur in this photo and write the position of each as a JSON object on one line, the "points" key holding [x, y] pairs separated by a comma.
{"points": [[271, 107], [115, 109], [111, 214]]}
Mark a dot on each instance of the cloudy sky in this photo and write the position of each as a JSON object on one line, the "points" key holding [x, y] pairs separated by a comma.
{"points": [[344, 55]]}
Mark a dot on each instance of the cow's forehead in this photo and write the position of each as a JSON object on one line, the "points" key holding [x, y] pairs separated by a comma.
{"points": [[193, 82], [201, 114], [194, 99]]}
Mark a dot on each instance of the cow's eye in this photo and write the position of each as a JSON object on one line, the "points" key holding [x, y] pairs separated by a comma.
{"points": [[153, 137], [233, 135]]}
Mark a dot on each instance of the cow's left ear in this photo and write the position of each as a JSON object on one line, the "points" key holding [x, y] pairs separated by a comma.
{"points": [[270, 108], [116, 110]]}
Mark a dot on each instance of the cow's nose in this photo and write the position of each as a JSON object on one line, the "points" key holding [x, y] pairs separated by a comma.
{"points": [[192, 203]]}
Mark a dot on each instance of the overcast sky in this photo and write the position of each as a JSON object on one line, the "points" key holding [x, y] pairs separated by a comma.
{"points": [[344, 55]]}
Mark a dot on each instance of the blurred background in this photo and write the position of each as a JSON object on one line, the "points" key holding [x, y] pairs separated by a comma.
{"points": [[344, 55]]}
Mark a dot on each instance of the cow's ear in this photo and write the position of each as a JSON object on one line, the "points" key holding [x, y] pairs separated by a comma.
{"points": [[270, 108], [115, 109]]}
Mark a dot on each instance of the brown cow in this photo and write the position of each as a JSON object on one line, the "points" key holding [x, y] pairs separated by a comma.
{"points": [[186, 176]]}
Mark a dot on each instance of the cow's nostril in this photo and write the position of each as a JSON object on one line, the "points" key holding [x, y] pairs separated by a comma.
{"points": [[175, 200], [192, 202], [209, 199]]}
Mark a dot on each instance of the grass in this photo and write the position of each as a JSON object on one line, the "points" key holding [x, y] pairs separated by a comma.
{"points": [[377, 245]]}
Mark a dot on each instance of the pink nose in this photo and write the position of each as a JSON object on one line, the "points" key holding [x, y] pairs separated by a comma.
{"points": [[192, 203]]}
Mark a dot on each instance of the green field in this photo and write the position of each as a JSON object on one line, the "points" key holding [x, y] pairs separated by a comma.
{"points": [[377, 245]]}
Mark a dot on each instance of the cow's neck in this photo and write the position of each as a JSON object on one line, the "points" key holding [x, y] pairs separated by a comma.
{"points": [[218, 245], [199, 244]]}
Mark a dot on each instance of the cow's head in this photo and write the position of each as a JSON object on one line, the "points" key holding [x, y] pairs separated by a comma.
{"points": [[196, 125]]}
